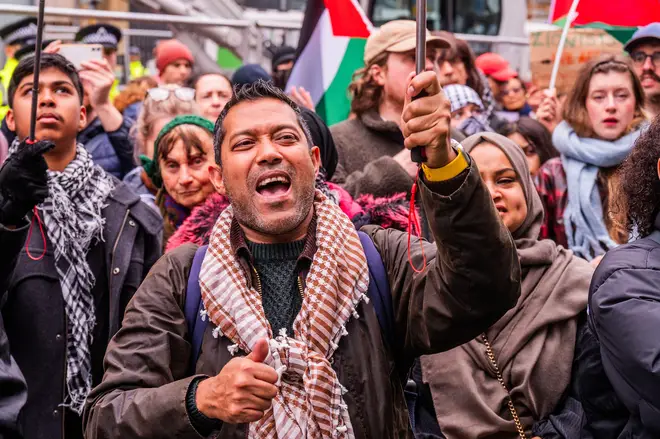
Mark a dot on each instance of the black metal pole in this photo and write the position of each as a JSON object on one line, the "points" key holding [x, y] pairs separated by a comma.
{"points": [[420, 49], [417, 154], [37, 65]]}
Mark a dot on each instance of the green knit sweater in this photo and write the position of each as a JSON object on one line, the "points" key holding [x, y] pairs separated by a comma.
{"points": [[280, 293]]}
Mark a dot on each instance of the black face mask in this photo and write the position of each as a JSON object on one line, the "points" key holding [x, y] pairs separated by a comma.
{"points": [[281, 77]]}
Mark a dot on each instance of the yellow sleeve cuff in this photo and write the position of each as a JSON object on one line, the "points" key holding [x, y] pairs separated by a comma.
{"points": [[449, 171]]}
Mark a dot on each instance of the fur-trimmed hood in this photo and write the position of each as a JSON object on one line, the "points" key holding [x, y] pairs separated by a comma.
{"points": [[391, 212]]}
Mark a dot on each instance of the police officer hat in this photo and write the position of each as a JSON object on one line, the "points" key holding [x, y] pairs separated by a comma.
{"points": [[20, 31], [28, 48], [107, 35]]}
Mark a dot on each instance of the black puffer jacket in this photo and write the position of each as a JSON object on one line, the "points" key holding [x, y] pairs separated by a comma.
{"points": [[624, 303]]}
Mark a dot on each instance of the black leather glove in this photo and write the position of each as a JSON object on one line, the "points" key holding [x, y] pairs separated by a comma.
{"points": [[23, 181]]}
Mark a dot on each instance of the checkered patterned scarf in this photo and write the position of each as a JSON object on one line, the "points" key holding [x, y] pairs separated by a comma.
{"points": [[309, 403], [72, 217]]}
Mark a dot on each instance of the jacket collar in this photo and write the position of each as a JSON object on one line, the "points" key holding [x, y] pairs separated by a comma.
{"points": [[122, 198], [90, 131], [372, 120]]}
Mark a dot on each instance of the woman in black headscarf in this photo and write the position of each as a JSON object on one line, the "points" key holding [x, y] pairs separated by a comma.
{"points": [[323, 139]]}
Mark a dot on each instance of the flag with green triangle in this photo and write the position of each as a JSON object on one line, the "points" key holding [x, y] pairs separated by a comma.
{"points": [[330, 49]]}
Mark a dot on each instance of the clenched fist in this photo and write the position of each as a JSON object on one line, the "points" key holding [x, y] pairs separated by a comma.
{"points": [[242, 391], [426, 120]]}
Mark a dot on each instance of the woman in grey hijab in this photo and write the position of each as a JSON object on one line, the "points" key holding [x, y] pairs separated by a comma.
{"points": [[507, 382]]}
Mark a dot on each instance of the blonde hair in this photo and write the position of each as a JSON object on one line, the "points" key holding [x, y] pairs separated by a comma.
{"points": [[134, 92], [153, 111], [365, 93]]}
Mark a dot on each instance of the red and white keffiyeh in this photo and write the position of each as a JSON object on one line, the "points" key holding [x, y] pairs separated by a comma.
{"points": [[309, 403]]}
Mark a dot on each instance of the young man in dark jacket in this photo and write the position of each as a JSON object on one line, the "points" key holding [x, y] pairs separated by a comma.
{"points": [[76, 243], [285, 280]]}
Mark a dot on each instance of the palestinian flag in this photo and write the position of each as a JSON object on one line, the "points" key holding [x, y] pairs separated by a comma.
{"points": [[330, 50], [620, 18]]}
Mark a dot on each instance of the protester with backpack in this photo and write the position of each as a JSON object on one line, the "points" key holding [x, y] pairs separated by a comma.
{"points": [[286, 280]]}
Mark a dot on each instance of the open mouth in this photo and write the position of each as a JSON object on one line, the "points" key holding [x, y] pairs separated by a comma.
{"points": [[501, 209], [274, 184]]}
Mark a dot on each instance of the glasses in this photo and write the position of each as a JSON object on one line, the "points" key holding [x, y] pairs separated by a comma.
{"points": [[514, 90], [639, 58], [160, 94]]}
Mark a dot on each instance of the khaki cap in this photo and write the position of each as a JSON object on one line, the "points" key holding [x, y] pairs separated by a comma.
{"points": [[397, 36]]}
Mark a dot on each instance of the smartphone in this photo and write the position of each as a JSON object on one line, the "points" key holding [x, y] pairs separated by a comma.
{"points": [[79, 53]]}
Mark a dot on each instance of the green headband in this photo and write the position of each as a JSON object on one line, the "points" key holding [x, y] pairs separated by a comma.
{"points": [[151, 166]]}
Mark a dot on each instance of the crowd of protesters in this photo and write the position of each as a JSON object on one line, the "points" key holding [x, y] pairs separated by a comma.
{"points": [[199, 255]]}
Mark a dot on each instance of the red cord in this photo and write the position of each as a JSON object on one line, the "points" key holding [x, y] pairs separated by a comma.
{"points": [[43, 236], [414, 227]]}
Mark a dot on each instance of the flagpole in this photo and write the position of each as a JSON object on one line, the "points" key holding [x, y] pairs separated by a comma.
{"points": [[570, 18], [37, 68], [417, 154]]}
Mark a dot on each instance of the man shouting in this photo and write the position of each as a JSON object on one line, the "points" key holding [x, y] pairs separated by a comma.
{"points": [[294, 347]]}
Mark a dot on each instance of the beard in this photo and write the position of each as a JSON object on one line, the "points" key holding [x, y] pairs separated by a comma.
{"points": [[247, 215]]}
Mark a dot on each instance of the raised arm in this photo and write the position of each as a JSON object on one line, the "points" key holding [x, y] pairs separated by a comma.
{"points": [[472, 276]]}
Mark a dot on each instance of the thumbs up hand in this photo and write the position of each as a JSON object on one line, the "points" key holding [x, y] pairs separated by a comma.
{"points": [[242, 391]]}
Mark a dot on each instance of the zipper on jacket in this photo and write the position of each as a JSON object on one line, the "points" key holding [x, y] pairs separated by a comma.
{"points": [[112, 257], [299, 282]]}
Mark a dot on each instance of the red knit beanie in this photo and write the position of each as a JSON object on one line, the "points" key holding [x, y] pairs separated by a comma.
{"points": [[170, 51]]}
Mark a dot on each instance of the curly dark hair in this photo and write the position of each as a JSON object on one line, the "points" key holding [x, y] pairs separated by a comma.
{"points": [[640, 184]]}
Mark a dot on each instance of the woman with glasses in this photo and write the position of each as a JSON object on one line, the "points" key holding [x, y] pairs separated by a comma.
{"points": [[534, 139], [602, 119], [513, 97], [160, 106]]}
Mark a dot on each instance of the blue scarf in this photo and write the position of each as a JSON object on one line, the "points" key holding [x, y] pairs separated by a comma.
{"points": [[582, 158]]}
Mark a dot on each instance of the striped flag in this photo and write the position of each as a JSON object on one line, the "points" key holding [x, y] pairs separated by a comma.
{"points": [[620, 18], [330, 49]]}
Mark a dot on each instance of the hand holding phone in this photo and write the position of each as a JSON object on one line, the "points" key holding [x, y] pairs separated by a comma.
{"points": [[97, 79], [78, 54]]}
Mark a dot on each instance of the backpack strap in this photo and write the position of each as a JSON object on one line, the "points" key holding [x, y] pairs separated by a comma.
{"points": [[194, 305], [379, 289], [378, 292], [381, 298]]}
